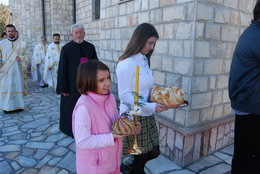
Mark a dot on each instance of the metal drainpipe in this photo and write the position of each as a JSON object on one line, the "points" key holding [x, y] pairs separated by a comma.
{"points": [[43, 18], [74, 11]]}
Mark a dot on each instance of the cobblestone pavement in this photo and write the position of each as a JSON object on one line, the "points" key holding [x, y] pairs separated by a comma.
{"points": [[31, 143]]}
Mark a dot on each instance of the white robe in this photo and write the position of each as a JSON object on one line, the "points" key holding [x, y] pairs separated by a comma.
{"points": [[37, 63], [12, 74], [51, 64]]}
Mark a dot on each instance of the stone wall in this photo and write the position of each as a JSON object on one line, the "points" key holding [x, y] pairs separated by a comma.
{"points": [[27, 17]]}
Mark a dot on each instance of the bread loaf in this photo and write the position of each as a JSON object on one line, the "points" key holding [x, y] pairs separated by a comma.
{"points": [[169, 96], [123, 126]]}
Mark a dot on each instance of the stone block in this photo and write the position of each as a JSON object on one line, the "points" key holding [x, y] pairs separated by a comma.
{"points": [[201, 100], [205, 144], [199, 84], [222, 16], [130, 7], [122, 21], [246, 5], [169, 113], [167, 64], [167, 2], [137, 5], [220, 132], [161, 47], [207, 114], [226, 66], [213, 140], [162, 136], [174, 13], [173, 79], [184, 30], [199, 30], [130, 21], [202, 49], [156, 16], [156, 62], [154, 4], [193, 118], [187, 49], [190, 12], [159, 77], [198, 67], [220, 168], [227, 109], [175, 48], [222, 81], [229, 33], [245, 19], [168, 31], [164, 163], [225, 98], [160, 30], [143, 17], [217, 97], [185, 85], [225, 140], [213, 66], [182, 66], [227, 129], [197, 146], [179, 140], [230, 47], [212, 32], [231, 3], [145, 5], [204, 12], [218, 112], [170, 139], [188, 148], [219, 144], [212, 82], [180, 116]]}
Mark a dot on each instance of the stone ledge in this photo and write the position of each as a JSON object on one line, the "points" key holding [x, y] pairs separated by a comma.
{"points": [[186, 145], [195, 128]]}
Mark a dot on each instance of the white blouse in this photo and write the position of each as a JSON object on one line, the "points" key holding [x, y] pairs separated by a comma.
{"points": [[126, 74]]}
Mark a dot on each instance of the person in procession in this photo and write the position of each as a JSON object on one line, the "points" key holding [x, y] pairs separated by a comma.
{"points": [[37, 62], [244, 94], [52, 61], [72, 54], [13, 67], [98, 150], [138, 52]]}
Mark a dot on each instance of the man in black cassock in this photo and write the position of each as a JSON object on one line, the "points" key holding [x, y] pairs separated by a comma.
{"points": [[72, 54]]}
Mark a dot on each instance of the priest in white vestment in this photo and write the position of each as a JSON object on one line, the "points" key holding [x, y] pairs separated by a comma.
{"points": [[37, 62], [52, 61], [13, 67]]}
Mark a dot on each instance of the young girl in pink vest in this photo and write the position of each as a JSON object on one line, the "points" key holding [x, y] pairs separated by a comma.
{"points": [[98, 150]]}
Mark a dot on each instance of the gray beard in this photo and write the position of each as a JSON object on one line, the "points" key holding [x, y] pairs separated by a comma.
{"points": [[79, 41]]}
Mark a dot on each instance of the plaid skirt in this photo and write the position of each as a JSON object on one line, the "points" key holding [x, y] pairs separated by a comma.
{"points": [[148, 137]]}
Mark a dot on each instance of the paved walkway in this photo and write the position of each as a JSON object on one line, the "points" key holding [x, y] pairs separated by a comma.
{"points": [[31, 143]]}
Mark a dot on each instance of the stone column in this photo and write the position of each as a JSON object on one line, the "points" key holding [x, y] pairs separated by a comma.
{"points": [[203, 35]]}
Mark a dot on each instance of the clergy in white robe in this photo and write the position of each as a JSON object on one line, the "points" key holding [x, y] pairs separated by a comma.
{"points": [[37, 62], [52, 61], [13, 67]]}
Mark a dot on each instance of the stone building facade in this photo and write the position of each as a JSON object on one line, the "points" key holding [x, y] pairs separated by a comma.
{"points": [[197, 40]]}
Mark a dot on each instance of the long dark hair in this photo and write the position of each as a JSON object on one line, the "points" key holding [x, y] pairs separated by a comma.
{"points": [[138, 40]]}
